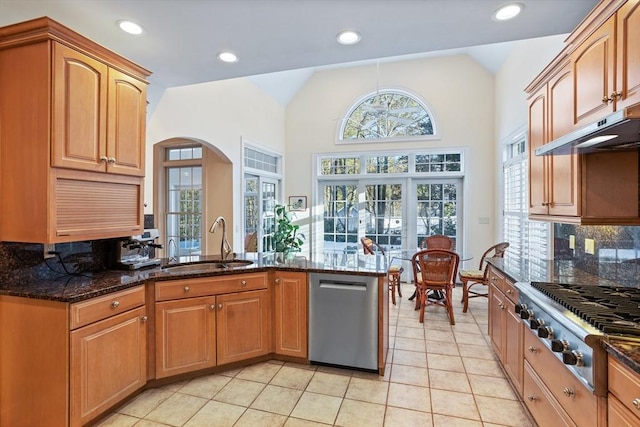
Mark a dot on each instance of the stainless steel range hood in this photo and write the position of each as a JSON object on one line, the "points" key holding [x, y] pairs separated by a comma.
{"points": [[617, 131]]}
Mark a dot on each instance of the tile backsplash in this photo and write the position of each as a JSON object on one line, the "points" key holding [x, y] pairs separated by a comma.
{"points": [[616, 253]]}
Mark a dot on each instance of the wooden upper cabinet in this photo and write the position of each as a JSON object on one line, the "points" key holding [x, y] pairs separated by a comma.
{"points": [[538, 188], [594, 73], [126, 121], [628, 54], [564, 171], [98, 115], [554, 186], [72, 137]]}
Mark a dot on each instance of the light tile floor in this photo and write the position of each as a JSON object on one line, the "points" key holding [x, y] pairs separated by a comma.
{"points": [[437, 375]]}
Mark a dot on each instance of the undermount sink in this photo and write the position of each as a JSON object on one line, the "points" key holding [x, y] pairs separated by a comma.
{"points": [[218, 264]]}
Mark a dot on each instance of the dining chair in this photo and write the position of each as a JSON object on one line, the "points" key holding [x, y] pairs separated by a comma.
{"points": [[370, 247], [478, 278], [438, 241], [435, 270]]}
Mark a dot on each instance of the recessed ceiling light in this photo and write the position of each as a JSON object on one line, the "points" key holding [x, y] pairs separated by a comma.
{"points": [[227, 57], [130, 27], [508, 11], [348, 37]]}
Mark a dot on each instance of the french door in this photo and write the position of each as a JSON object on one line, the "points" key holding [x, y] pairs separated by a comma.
{"points": [[396, 213], [260, 195]]}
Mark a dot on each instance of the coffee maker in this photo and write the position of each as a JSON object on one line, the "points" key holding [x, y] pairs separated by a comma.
{"points": [[137, 251]]}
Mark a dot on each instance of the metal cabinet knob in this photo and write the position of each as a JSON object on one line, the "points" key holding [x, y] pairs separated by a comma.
{"points": [[186, 289], [606, 100], [144, 318], [103, 159], [569, 392], [220, 306], [212, 307], [277, 280], [115, 304], [636, 403], [111, 160], [532, 349], [243, 283], [531, 398]]}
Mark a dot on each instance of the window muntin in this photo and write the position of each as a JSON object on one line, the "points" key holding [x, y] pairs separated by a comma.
{"points": [[184, 153], [255, 159], [387, 164], [387, 114], [340, 166], [438, 162]]}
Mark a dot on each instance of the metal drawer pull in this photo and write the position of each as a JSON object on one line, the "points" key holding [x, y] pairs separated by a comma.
{"points": [[111, 160], [186, 289], [636, 403], [220, 306], [212, 307], [144, 318], [531, 398], [569, 392], [115, 304], [278, 280], [243, 283], [103, 159], [532, 349]]}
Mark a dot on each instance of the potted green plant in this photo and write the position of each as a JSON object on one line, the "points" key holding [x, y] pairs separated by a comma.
{"points": [[287, 239]]}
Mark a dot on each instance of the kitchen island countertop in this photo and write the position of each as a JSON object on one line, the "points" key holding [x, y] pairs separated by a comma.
{"points": [[51, 282]]}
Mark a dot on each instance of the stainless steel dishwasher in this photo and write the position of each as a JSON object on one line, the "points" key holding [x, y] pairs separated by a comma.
{"points": [[343, 320]]}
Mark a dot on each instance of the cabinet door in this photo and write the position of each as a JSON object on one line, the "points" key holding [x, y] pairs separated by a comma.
{"points": [[185, 335], [538, 164], [291, 313], [79, 116], [563, 170], [243, 327], [513, 350], [628, 54], [496, 320], [126, 124], [108, 363], [594, 73]]}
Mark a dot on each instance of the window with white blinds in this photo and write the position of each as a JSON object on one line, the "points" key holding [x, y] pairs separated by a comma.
{"points": [[524, 236]]}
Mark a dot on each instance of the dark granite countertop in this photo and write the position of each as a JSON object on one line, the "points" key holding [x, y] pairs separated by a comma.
{"points": [[626, 351], [53, 283]]}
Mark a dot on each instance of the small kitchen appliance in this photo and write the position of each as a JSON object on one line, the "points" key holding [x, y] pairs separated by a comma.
{"points": [[137, 251]]}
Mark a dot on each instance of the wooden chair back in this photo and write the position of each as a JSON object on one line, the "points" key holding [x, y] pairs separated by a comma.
{"points": [[435, 268], [369, 247], [495, 251], [438, 241]]}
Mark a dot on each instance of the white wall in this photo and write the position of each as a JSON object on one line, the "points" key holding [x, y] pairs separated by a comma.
{"points": [[219, 114], [458, 90]]}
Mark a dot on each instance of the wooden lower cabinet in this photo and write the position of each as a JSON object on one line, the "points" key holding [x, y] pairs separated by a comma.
{"points": [[290, 313], [65, 364], [624, 395], [505, 327], [196, 332], [243, 326], [108, 363], [185, 335], [541, 403]]}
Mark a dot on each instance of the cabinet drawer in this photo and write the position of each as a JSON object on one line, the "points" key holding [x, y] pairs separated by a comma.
{"points": [[496, 279], [625, 385], [580, 404], [510, 291], [542, 405], [189, 288], [86, 312]]}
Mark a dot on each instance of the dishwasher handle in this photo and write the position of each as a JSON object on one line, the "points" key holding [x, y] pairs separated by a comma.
{"points": [[346, 286]]}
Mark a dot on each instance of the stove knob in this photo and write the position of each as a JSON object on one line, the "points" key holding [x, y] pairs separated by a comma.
{"points": [[545, 332], [519, 307], [526, 314], [558, 346], [572, 358], [535, 323]]}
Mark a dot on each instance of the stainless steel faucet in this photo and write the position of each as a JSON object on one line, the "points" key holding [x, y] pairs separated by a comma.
{"points": [[225, 247]]}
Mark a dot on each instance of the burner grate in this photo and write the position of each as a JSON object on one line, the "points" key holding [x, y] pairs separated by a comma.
{"points": [[613, 310]]}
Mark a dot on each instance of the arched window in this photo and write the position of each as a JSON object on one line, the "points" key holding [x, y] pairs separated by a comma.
{"points": [[387, 114]]}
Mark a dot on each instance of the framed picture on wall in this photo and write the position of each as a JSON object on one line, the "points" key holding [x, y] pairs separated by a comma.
{"points": [[298, 203]]}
